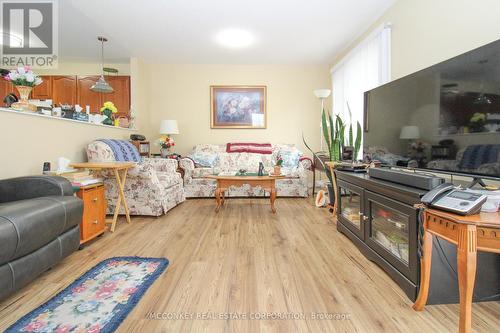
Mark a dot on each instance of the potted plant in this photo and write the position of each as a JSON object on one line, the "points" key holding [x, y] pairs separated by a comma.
{"points": [[278, 165], [109, 110], [165, 144], [334, 135], [24, 80]]}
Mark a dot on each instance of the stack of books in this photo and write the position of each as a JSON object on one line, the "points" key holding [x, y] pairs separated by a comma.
{"points": [[81, 178]]}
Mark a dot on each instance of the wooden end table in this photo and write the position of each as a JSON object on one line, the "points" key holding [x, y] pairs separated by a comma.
{"points": [[470, 233], [268, 183], [120, 170]]}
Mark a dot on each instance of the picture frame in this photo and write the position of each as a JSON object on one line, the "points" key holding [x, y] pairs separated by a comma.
{"points": [[234, 106]]}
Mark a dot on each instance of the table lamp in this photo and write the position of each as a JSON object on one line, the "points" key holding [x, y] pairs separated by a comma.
{"points": [[168, 127]]}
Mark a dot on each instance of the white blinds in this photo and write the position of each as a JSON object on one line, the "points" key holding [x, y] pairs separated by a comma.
{"points": [[365, 67]]}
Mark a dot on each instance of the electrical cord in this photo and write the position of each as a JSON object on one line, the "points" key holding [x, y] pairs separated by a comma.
{"points": [[443, 254]]}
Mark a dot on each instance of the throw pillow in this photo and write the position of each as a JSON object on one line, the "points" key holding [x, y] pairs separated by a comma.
{"points": [[290, 157], [204, 159]]}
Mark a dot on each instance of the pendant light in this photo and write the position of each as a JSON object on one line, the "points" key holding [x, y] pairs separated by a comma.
{"points": [[101, 85]]}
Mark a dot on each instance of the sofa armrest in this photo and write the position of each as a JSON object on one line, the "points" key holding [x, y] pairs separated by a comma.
{"points": [[30, 187], [187, 165], [306, 163], [162, 164]]}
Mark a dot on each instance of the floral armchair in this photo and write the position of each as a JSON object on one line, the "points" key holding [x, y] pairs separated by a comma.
{"points": [[207, 159], [152, 187]]}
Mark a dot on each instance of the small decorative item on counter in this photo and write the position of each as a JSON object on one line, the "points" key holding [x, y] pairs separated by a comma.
{"points": [[277, 167], [123, 122], [109, 110], [165, 144], [24, 80]]}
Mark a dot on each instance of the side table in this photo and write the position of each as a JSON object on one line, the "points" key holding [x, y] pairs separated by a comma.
{"points": [[94, 212], [470, 234], [120, 170]]}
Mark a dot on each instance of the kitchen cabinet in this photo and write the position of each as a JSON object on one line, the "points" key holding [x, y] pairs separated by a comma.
{"points": [[64, 90], [121, 94], [43, 90], [87, 96], [6, 88]]}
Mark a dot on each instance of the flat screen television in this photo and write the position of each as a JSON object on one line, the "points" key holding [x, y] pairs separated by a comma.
{"points": [[444, 118]]}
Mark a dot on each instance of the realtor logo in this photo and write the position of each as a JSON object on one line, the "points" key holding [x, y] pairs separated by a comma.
{"points": [[29, 33]]}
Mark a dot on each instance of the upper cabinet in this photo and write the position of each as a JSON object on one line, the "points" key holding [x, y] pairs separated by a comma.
{"points": [[87, 96], [43, 90], [121, 94], [70, 89], [64, 90]]}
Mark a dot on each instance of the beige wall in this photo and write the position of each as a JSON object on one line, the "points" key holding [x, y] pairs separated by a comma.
{"points": [[425, 32], [182, 92], [29, 141]]}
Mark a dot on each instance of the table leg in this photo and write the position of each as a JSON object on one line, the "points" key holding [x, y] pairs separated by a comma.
{"points": [[217, 199], [425, 272], [273, 199], [466, 263], [122, 194], [120, 181]]}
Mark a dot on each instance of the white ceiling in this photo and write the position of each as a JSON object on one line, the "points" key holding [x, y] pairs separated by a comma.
{"points": [[183, 31]]}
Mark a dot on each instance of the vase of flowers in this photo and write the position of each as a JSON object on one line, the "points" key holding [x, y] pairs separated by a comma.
{"points": [[109, 110], [278, 165], [24, 80], [165, 143]]}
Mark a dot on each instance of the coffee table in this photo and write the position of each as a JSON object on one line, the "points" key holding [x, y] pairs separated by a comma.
{"points": [[268, 183]]}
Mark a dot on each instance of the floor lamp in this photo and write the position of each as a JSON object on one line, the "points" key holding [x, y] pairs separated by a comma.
{"points": [[321, 94]]}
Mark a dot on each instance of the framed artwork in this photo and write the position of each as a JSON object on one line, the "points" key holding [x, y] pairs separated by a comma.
{"points": [[238, 106]]}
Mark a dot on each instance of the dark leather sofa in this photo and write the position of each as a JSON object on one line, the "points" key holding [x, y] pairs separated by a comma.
{"points": [[39, 226]]}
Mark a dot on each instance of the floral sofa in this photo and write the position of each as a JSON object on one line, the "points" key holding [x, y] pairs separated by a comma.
{"points": [[152, 187], [207, 159]]}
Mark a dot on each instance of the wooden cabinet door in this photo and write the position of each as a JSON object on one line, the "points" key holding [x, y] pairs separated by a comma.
{"points": [[6, 87], [64, 90], [121, 94], [43, 90], [87, 96]]}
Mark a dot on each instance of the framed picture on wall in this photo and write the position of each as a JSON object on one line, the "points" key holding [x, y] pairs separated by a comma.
{"points": [[238, 106]]}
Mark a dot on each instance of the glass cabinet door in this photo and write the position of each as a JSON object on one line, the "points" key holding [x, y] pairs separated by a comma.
{"points": [[350, 207], [391, 230]]}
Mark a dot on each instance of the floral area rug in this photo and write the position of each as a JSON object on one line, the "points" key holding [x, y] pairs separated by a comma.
{"points": [[98, 301]]}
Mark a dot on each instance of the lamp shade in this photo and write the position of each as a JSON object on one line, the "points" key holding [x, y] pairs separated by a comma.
{"points": [[410, 132], [322, 93], [169, 127]]}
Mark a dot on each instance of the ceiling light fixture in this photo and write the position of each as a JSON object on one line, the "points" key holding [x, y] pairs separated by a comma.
{"points": [[235, 38], [101, 85]]}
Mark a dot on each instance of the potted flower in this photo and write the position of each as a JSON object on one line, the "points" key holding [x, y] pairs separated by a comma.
{"points": [[165, 144], [24, 80], [278, 165], [109, 110]]}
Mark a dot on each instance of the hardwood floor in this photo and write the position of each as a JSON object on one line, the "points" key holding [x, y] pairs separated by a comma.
{"points": [[245, 260]]}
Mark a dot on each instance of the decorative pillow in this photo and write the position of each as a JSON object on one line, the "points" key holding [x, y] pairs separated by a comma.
{"points": [[204, 159], [256, 148], [290, 157]]}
